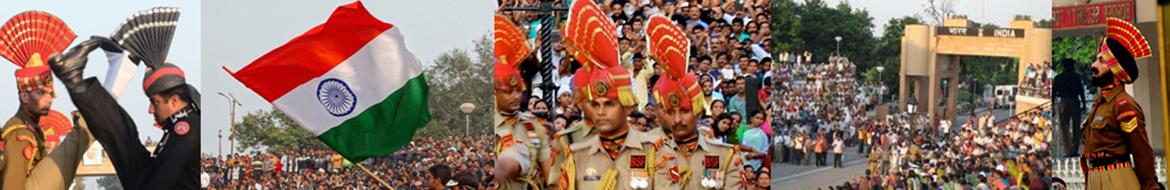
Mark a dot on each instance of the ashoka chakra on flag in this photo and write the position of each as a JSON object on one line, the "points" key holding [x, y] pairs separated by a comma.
{"points": [[336, 97], [316, 78]]}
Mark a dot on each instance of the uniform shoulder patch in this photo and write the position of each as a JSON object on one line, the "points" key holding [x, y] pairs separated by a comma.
{"points": [[1126, 114], [1123, 102], [505, 142], [29, 152], [1129, 126], [664, 158], [674, 175], [658, 143], [182, 127]]}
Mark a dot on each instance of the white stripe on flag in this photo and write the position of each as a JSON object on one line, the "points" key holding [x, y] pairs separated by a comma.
{"points": [[381, 67]]}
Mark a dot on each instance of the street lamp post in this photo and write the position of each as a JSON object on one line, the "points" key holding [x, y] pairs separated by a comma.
{"points": [[838, 38], [467, 108], [1002, 67], [881, 83], [232, 103]]}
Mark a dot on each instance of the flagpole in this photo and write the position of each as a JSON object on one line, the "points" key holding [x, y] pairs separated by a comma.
{"points": [[373, 176]]}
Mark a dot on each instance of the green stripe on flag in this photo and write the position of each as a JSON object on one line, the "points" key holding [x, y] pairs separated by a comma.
{"points": [[384, 127]]}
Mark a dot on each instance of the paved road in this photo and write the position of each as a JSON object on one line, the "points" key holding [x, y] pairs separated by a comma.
{"points": [[789, 176], [805, 177], [781, 170]]}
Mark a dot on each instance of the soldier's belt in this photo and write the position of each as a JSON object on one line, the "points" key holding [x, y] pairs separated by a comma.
{"points": [[1106, 162]]}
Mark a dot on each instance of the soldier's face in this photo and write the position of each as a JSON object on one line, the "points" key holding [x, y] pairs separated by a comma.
{"points": [[37, 101], [608, 115], [681, 121], [163, 107], [508, 100], [1099, 67]]}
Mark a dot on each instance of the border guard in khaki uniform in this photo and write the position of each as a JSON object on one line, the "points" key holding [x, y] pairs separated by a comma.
{"points": [[1116, 128]]}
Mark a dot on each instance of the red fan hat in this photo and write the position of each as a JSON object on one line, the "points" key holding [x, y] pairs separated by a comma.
{"points": [[27, 40]]}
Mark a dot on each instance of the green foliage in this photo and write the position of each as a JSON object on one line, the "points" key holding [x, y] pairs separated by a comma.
{"points": [[785, 27], [821, 24], [1082, 49], [459, 76], [78, 184], [869, 75], [110, 183], [817, 23], [890, 49], [1046, 23], [271, 131]]}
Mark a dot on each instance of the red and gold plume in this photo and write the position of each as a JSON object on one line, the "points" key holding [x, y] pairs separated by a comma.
{"points": [[1129, 36], [27, 40], [511, 44], [55, 125], [668, 44], [511, 49], [30, 37], [590, 36]]}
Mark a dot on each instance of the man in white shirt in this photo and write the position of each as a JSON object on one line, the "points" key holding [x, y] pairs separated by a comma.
{"points": [[285, 163], [838, 148], [204, 179], [235, 173]]}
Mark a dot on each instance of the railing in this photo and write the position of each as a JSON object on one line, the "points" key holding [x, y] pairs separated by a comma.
{"points": [[1069, 169], [1045, 105], [1036, 92]]}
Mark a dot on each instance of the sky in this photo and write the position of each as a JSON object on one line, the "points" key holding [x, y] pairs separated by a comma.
{"points": [[998, 12], [88, 18], [238, 32]]}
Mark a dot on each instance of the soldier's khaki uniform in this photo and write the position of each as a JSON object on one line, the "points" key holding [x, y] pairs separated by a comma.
{"points": [[709, 160], [1116, 129], [660, 132], [27, 165], [561, 141], [588, 166], [524, 139]]}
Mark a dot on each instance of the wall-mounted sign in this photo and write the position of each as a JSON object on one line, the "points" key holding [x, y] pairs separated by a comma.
{"points": [[980, 32], [1091, 15]]}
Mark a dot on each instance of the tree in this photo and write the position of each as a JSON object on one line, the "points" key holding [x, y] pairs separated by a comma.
{"points": [[785, 26], [820, 24], [271, 131], [1046, 23], [890, 49], [1082, 49], [939, 11], [456, 77], [78, 184], [110, 183]]}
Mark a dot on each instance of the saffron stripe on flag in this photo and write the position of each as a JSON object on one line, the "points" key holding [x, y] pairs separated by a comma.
{"points": [[380, 68], [312, 54]]}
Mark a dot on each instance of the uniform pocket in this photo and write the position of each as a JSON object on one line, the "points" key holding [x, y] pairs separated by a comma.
{"points": [[1098, 124]]}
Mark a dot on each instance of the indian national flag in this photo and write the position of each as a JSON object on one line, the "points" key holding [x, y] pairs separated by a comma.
{"points": [[350, 81]]}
